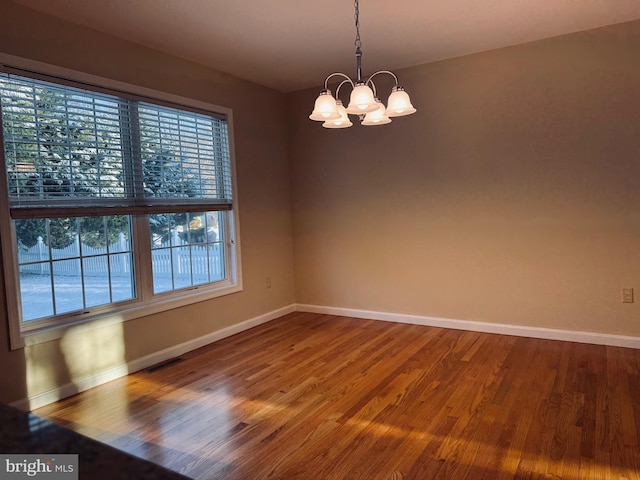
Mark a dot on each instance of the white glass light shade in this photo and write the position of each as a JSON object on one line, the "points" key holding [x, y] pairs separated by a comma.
{"points": [[325, 108], [361, 100], [342, 122], [377, 117], [399, 103]]}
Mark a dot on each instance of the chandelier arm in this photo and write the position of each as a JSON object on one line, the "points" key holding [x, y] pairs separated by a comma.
{"points": [[348, 80], [373, 87], [395, 77], [340, 74]]}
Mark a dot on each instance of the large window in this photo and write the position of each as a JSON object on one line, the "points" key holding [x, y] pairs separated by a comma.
{"points": [[115, 203]]}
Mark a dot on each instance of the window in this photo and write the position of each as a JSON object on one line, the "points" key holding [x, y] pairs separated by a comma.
{"points": [[116, 203]]}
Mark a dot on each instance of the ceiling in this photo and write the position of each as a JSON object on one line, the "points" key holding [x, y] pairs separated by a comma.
{"points": [[294, 44]]}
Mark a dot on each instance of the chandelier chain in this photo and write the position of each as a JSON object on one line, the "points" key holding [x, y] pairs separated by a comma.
{"points": [[356, 16]]}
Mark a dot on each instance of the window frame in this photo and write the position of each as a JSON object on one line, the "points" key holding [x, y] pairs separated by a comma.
{"points": [[146, 303]]}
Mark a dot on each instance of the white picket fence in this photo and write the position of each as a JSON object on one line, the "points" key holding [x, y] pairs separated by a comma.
{"points": [[177, 257]]}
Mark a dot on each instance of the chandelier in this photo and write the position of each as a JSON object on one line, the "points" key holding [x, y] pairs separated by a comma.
{"points": [[364, 101]]}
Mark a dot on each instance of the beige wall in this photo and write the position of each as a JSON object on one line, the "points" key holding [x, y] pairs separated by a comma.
{"points": [[512, 196], [264, 194]]}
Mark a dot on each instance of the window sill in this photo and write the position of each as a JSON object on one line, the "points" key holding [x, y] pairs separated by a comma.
{"points": [[131, 312]]}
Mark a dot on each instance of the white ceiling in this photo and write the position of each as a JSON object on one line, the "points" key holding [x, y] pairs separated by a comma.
{"points": [[295, 44]]}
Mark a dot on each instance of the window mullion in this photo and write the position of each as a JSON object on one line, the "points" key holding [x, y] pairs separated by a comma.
{"points": [[51, 266], [134, 191], [140, 223], [142, 256]]}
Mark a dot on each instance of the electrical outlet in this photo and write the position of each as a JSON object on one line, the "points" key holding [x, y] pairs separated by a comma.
{"points": [[627, 295], [267, 282]]}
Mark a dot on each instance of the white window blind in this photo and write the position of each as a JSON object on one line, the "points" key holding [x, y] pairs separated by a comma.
{"points": [[183, 145], [72, 151]]}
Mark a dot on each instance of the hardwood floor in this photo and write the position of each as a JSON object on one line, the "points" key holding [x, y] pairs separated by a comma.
{"points": [[314, 396]]}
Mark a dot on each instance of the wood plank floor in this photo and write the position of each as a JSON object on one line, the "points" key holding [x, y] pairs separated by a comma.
{"points": [[312, 396]]}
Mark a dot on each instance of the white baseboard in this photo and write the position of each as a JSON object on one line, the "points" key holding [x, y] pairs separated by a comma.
{"points": [[503, 329], [135, 365], [105, 376]]}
